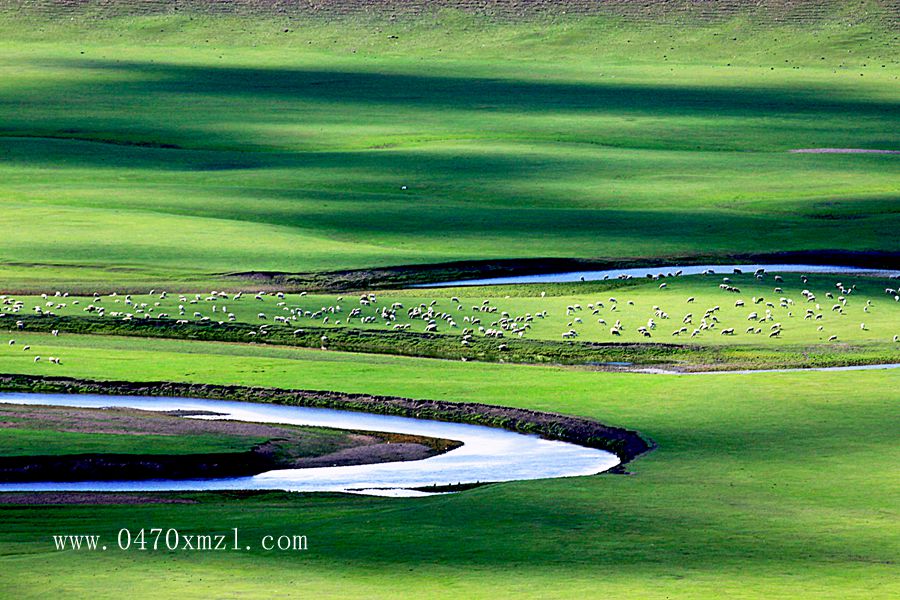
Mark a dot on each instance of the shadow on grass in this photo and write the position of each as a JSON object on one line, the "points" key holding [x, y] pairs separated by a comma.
{"points": [[480, 93]]}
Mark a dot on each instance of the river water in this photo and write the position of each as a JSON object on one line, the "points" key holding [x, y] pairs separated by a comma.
{"points": [[667, 270], [487, 454]]}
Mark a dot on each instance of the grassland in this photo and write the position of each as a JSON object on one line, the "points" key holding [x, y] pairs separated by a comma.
{"points": [[228, 146], [768, 484], [168, 149], [691, 323]]}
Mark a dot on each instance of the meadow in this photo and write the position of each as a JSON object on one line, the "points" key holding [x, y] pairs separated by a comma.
{"points": [[767, 484], [188, 151], [173, 149]]}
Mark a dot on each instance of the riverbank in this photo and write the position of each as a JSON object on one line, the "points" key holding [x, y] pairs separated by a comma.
{"points": [[402, 276], [84, 444]]}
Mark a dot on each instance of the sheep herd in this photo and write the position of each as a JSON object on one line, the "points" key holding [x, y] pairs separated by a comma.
{"points": [[610, 318]]}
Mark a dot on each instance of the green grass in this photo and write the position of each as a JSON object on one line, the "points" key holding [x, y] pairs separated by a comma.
{"points": [[43, 442], [571, 137], [775, 485], [163, 151]]}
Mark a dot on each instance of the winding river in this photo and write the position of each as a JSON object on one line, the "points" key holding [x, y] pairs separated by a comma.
{"points": [[668, 270], [487, 454]]}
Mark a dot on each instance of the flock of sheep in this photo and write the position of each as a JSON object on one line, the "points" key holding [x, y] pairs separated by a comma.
{"points": [[761, 313], [763, 316]]}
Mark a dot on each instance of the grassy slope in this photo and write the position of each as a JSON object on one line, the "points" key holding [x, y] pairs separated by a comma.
{"points": [[576, 137], [764, 485]]}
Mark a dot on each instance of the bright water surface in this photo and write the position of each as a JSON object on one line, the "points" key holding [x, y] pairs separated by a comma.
{"points": [[664, 270], [488, 454]]}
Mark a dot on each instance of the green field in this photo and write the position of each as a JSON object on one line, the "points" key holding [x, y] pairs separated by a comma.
{"points": [[775, 485], [199, 147], [169, 149]]}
